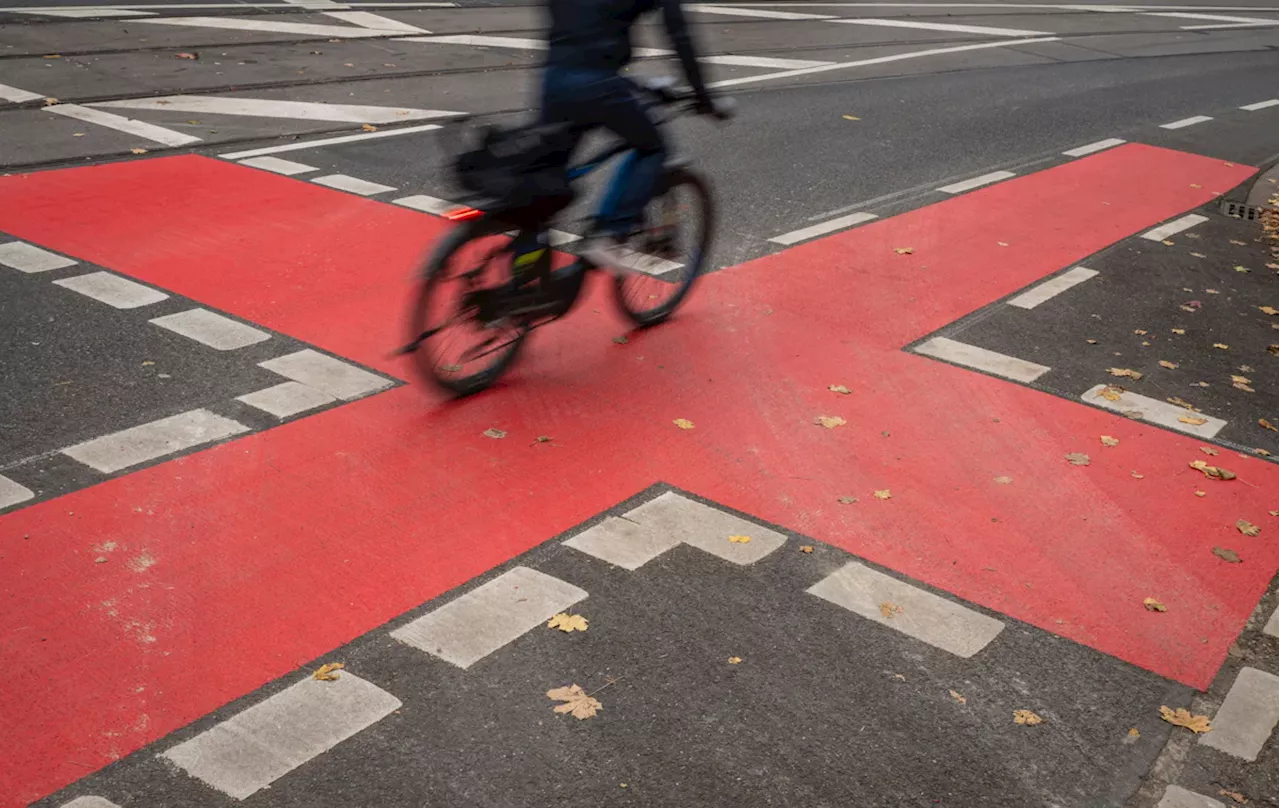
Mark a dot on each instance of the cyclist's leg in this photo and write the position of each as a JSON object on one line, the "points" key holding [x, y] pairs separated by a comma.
{"points": [[637, 177]]}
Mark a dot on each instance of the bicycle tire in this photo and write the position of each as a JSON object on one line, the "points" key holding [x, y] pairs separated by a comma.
{"points": [[675, 179], [433, 275]]}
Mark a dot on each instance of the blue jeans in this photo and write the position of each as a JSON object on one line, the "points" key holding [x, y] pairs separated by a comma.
{"points": [[587, 99]]}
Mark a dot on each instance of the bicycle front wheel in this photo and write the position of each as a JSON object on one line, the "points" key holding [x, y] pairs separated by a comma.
{"points": [[672, 250], [461, 342]]}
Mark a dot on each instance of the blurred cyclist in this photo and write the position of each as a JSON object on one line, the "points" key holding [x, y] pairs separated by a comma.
{"points": [[590, 42]]}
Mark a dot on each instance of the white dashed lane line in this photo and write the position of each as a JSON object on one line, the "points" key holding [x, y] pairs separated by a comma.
{"points": [[286, 399], [706, 528], [11, 493], [251, 750], [1157, 412], [16, 95], [1173, 228], [976, 182], [90, 802], [468, 629], [140, 444], [903, 607], [1261, 105], [426, 204], [1247, 717], [971, 356], [146, 131], [274, 164], [1185, 122], [329, 141], [1051, 288], [272, 108], [324, 373], [814, 230], [113, 290], [354, 185], [31, 259], [1272, 628], [1179, 797], [1090, 148], [941, 26], [623, 543], [216, 331]]}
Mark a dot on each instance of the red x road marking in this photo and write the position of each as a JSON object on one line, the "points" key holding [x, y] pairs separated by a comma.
{"points": [[276, 547]]}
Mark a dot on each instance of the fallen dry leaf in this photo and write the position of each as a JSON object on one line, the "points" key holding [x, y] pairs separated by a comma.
{"points": [[1003, 243], [495, 433], [1182, 717], [1247, 528], [1078, 459], [806, 548], [851, 117], [1262, 452], [1140, 332], [1234, 796], [1026, 717], [1198, 255], [739, 539], [1125, 372], [1242, 386], [1274, 513], [735, 660], [1092, 341], [1237, 243], [958, 698], [576, 703], [1178, 330], [568, 622], [683, 423], [1221, 347], [1004, 480], [620, 340], [1153, 605], [1194, 421], [78, 134], [1107, 440], [1167, 243], [1265, 424], [889, 609], [846, 500], [542, 439], [328, 672], [1196, 185], [1241, 379], [1111, 392], [1185, 307], [829, 421], [903, 250], [1227, 555], [1164, 363], [1200, 493], [1212, 292], [1186, 405], [1269, 310], [137, 151], [883, 493], [186, 56], [1239, 268], [1209, 450], [1133, 732], [1135, 475], [368, 127], [839, 388], [1212, 472]]}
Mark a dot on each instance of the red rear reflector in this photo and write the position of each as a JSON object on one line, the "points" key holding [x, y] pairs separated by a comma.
{"points": [[463, 214]]}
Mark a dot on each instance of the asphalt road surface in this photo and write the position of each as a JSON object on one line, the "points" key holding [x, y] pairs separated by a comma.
{"points": [[1017, 250]]}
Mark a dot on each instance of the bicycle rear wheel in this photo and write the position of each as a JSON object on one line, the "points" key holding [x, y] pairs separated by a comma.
{"points": [[460, 340], [681, 218]]}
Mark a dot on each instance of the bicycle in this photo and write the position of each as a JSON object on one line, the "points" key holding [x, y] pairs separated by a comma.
{"points": [[505, 295]]}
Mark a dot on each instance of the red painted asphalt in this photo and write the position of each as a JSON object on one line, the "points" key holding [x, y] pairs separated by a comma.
{"points": [[274, 548]]}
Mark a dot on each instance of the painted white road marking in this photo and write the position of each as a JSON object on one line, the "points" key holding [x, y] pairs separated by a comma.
{"points": [[1247, 716], [1213, 17], [1054, 286], [139, 444], [286, 167], [976, 182], [921, 614], [972, 356], [376, 22], [706, 528], [1185, 122], [479, 40], [942, 26], [16, 95], [1179, 797], [90, 802], [1260, 105], [302, 29], [786, 74], [326, 374], [426, 204], [763, 61], [270, 108], [1163, 232], [1157, 412], [30, 259], [354, 185], [806, 233], [520, 43], [146, 131], [113, 290], [11, 493], [287, 398], [90, 11], [251, 750], [1222, 26], [1090, 148], [623, 543], [212, 329], [466, 630], [754, 12], [1272, 628], [329, 141]]}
